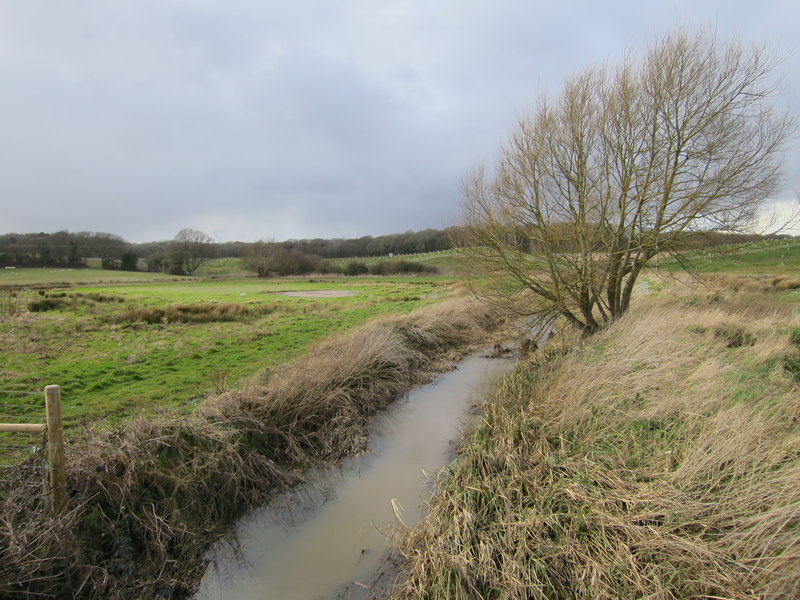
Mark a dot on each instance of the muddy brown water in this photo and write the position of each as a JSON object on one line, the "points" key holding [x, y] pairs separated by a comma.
{"points": [[328, 538]]}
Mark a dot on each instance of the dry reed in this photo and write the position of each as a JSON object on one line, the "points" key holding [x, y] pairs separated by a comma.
{"points": [[757, 283], [191, 313], [659, 459]]}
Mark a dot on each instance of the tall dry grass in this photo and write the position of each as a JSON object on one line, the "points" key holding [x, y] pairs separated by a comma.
{"points": [[658, 459], [317, 408], [756, 283], [191, 313], [148, 498]]}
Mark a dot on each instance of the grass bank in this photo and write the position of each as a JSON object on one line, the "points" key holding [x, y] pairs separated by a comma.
{"points": [[658, 459], [777, 257], [446, 261], [149, 496]]}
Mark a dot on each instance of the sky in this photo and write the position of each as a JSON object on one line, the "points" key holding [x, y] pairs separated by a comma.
{"points": [[257, 119]]}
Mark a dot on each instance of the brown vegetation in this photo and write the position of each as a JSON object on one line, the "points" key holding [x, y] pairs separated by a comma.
{"points": [[757, 283], [147, 498], [657, 460], [191, 313]]}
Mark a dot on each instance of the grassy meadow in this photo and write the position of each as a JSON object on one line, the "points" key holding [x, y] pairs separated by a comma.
{"points": [[767, 257], [141, 344]]}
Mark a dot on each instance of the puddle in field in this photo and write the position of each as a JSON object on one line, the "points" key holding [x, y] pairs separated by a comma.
{"points": [[318, 540]]}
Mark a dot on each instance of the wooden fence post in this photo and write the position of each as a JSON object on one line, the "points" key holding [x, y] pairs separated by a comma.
{"points": [[55, 447]]}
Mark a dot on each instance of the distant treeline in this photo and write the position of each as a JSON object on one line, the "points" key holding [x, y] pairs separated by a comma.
{"points": [[65, 249], [410, 242], [72, 250]]}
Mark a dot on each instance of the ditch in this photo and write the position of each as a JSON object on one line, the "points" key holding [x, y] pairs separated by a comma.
{"points": [[329, 537]]}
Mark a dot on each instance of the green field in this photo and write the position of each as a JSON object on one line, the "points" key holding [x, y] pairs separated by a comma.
{"points": [[446, 260], [112, 366], [777, 257], [68, 277]]}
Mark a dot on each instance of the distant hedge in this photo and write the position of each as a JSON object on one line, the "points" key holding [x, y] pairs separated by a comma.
{"points": [[401, 266], [395, 267]]}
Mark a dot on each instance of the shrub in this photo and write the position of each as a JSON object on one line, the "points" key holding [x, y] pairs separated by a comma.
{"points": [[129, 261], [354, 268], [268, 258], [402, 266], [326, 266], [46, 304], [206, 313], [107, 298], [141, 315], [191, 313]]}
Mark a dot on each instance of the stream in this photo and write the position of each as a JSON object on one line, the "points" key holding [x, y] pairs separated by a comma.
{"points": [[327, 539]]}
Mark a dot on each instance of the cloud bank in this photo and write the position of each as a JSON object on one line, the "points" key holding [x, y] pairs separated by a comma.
{"points": [[254, 120]]}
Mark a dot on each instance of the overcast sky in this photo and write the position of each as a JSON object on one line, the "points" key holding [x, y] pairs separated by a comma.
{"points": [[253, 119]]}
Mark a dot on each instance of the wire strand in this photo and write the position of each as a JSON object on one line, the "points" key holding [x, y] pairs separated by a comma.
{"points": [[17, 446]]}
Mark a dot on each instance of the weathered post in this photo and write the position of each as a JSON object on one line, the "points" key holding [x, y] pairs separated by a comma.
{"points": [[55, 447]]}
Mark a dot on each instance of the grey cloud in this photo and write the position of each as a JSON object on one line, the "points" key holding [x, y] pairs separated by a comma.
{"points": [[262, 119]]}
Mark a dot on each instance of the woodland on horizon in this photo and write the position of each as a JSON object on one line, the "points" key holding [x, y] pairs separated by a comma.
{"points": [[73, 249]]}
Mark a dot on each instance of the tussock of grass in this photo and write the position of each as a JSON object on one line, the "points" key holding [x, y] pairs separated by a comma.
{"points": [[147, 498], [46, 304], [758, 283], [656, 460], [204, 313], [191, 313], [101, 298], [140, 315]]}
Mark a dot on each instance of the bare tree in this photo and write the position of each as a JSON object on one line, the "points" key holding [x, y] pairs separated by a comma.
{"points": [[190, 249], [267, 258], [109, 247], [619, 168], [257, 257]]}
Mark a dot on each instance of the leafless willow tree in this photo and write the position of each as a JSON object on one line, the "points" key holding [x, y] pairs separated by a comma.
{"points": [[621, 167]]}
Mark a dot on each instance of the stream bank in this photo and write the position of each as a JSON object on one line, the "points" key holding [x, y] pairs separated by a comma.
{"points": [[328, 537], [149, 497]]}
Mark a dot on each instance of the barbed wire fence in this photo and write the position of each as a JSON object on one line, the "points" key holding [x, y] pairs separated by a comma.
{"points": [[31, 464]]}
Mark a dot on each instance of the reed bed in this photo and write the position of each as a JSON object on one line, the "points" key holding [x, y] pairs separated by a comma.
{"points": [[658, 459], [149, 497]]}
